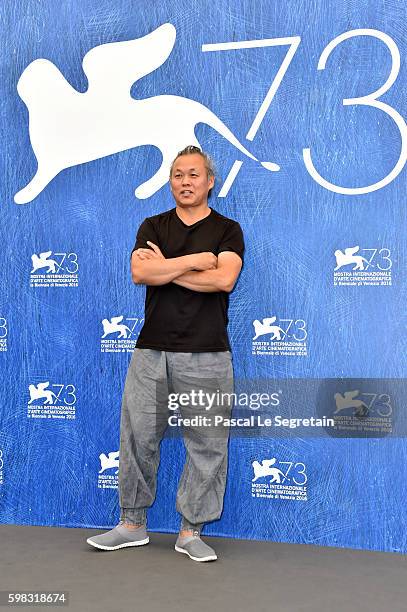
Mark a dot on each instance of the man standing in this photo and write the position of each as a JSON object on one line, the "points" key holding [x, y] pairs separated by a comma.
{"points": [[189, 257]]}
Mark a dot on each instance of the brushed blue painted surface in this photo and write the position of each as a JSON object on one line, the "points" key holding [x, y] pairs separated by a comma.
{"points": [[292, 227]]}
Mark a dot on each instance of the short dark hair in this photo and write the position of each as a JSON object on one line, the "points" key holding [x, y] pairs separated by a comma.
{"points": [[190, 150]]}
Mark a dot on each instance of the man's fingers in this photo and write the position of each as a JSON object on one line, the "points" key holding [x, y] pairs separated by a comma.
{"points": [[145, 253], [148, 252], [155, 247], [152, 253], [145, 256]]}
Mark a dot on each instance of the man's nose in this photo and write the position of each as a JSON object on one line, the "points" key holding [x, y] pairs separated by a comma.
{"points": [[185, 180]]}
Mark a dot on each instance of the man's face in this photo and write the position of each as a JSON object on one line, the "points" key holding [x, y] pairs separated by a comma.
{"points": [[189, 180]]}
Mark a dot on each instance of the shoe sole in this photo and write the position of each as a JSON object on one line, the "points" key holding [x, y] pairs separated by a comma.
{"points": [[124, 545], [185, 552]]}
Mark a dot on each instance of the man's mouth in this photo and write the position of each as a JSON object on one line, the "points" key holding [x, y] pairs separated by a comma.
{"points": [[186, 192]]}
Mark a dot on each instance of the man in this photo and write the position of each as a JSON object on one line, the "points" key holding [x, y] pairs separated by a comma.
{"points": [[189, 257]]}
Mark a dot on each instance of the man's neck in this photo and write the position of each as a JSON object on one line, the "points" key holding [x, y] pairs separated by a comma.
{"points": [[192, 214]]}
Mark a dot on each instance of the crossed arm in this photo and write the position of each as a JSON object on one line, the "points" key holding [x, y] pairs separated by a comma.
{"points": [[198, 272]]}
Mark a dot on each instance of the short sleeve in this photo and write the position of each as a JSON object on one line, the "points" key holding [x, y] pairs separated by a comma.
{"points": [[145, 232], [232, 240]]}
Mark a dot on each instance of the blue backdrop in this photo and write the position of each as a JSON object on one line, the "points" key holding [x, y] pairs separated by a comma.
{"points": [[324, 259]]}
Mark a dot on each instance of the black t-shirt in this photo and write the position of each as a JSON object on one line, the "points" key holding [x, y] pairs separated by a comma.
{"points": [[180, 319]]}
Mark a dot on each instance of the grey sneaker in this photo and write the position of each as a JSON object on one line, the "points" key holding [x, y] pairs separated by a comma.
{"points": [[195, 548], [120, 537]]}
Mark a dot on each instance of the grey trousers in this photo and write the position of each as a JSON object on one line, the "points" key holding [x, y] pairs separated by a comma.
{"points": [[151, 378]]}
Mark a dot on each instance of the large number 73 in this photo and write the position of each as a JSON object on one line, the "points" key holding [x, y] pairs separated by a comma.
{"points": [[371, 99]]}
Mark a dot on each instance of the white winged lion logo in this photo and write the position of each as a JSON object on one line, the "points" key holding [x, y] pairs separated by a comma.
{"points": [[68, 128]]}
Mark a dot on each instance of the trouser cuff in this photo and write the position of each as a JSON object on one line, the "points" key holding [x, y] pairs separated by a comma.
{"points": [[191, 526], [133, 516]]}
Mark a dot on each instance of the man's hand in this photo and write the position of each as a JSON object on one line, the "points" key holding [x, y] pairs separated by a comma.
{"points": [[150, 267], [153, 253]]}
